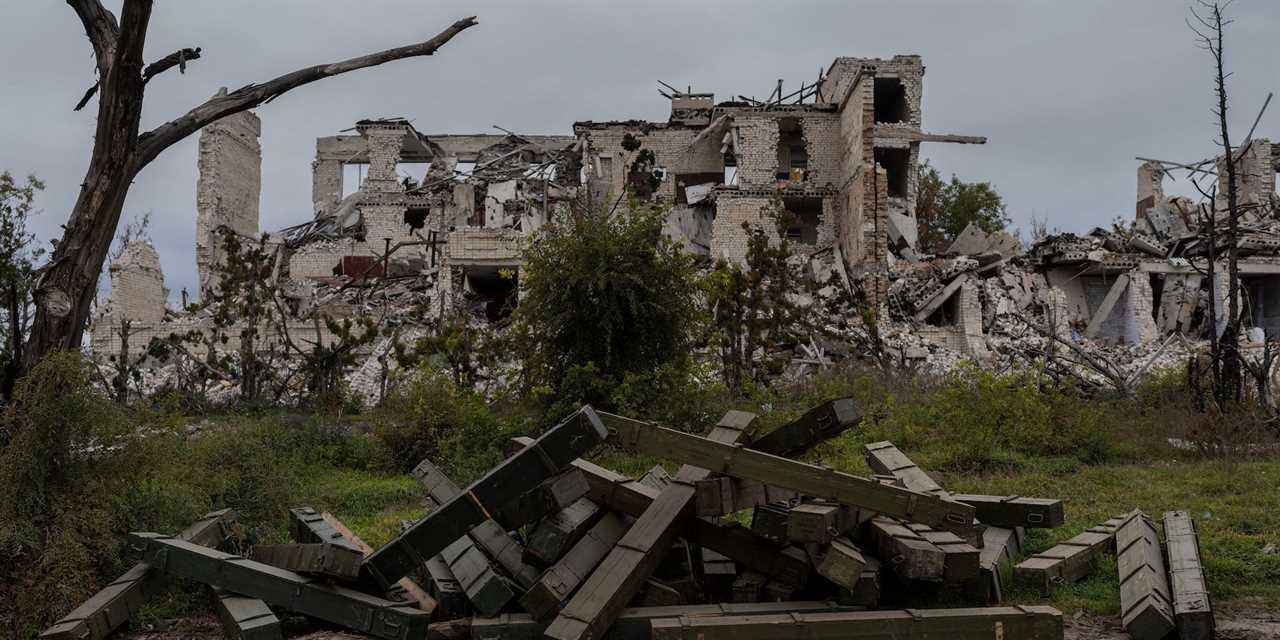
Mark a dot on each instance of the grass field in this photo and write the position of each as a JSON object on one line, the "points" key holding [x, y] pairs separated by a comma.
{"points": [[1236, 507]]}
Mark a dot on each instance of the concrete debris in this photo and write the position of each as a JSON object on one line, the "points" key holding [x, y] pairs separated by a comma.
{"points": [[838, 155]]}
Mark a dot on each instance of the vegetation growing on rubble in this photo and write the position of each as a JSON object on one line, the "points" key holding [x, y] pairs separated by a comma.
{"points": [[944, 209], [754, 306], [608, 301], [18, 257]]}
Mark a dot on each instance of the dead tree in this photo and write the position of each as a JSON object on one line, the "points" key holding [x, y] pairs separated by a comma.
{"points": [[67, 284], [1209, 26]]}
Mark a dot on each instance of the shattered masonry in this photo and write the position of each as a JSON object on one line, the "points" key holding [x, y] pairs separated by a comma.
{"points": [[840, 156]]}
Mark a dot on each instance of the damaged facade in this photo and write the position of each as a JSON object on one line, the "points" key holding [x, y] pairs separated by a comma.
{"points": [[840, 156]]}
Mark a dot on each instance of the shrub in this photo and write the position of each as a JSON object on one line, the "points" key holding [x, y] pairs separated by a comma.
{"points": [[75, 472], [430, 416], [605, 295]]}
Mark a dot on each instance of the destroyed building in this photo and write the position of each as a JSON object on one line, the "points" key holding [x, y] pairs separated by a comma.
{"points": [[435, 223]]}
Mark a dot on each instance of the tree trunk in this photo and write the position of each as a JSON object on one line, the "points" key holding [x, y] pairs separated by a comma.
{"points": [[67, 285]]}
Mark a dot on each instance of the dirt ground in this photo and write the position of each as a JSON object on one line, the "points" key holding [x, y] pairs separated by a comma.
{"points": [[1232, 625]]}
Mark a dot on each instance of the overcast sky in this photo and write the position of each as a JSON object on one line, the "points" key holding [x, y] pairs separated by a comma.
{"points": [[1066, 92]]}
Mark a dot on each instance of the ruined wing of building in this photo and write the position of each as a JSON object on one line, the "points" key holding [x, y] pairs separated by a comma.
{"points": [[840, 155]]}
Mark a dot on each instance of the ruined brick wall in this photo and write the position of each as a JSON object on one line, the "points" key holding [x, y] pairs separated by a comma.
{"points": [[326, 186], [758, 152], [486, 245], [318, 259], [1150, 187], [670, 145], [137, 286], [228, 190], [850, 219], [1139, 316], [1255, 176], [385, 143], [728, 238], [824, 143]]}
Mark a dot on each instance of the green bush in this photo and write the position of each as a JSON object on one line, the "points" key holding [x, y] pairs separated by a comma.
{"points": [[605, 295], [430, 416], [76, 472]]}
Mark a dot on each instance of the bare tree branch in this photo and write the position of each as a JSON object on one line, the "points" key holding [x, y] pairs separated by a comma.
{"points": [[134, 20], [101, 28], [178, 59], [87, 96], [151, 143]]}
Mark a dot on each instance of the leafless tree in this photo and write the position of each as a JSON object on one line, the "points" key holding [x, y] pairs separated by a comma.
{"points": [[120, 151], [1209, 23]]}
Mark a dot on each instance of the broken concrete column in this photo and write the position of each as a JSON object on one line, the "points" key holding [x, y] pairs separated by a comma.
{"points": [[137, 285], [326, 186], [1139, 323], [1150, 187], [385, 143], [228, 190]]}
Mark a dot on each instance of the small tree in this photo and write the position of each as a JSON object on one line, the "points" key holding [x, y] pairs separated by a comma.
{"points": [[944, 209], [756, 306], [18, 257], [604, 296]]}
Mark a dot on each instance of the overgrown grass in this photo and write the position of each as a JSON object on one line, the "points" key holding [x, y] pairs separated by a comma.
{"points": [[979, 432]]}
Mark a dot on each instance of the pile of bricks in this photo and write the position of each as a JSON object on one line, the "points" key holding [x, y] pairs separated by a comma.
{"points": [[549, 545]]}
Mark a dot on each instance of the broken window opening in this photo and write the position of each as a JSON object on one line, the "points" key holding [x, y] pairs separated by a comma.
{"points": [[496, 288], [416, 217], [895, 163], [805, 218], [793, 157], [890, 98], [947, 315]]}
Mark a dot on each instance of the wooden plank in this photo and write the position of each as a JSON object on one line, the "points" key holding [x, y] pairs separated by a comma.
{"points": [[624, 495], [718, 573], [621, 574], [1192, 606], [823, 422], [323, 558], [488, 535], [554, 535], [904, 552], [1001, 547], [245, 618], [841, 562], [657, 478], [805, 478], [306, 525], [724, 495], [1146, 607], [1108, 303], [960, 559], [349, 608], [498, 488], [547, 498], [769, 521], [406, 584], [1015, 511], [994, 623], [111, 607], [818, 523], [866, 592], [885, 458], [1070, 560], [447, 591], [487, 591], [554, 587], [633, 623]]}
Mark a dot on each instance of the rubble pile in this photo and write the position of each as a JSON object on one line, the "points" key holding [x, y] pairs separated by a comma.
{"points": [[549, 545]]}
